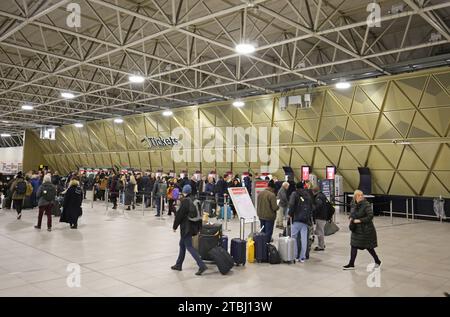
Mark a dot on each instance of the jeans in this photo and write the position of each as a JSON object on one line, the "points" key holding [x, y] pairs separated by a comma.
{"points": [[268, 228], [159, 205], [320, 231], [302, 228], [186, 243], [280, 216], [48, 211]]}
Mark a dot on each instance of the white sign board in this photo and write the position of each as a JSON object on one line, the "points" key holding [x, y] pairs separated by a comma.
{"points": [[242, 203], [11, 159]]}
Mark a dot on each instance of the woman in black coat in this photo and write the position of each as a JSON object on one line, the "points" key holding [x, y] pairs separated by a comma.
{"points": [[72, 204], [364, 235], [188, 229]]}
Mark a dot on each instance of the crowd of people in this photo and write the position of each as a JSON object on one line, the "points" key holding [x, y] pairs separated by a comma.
{"points": [[301, 203]]}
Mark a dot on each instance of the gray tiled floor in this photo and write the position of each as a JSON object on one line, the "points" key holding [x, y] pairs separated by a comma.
{"points": [[131, 255]]}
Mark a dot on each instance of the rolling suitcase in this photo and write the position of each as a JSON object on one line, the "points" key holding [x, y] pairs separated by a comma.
{"points": [[224, 242], [222, 258], [286, 248], [260, 239], [272, 254], [239, 246], [209, 238]]}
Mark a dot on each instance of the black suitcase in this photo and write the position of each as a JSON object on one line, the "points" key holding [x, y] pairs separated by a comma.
{"points": [[209, 237], [260, 247], [222, 258], [239, 246], [272, 254]]}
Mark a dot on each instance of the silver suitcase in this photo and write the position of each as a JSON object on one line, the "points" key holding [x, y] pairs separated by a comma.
{"points": [[286, 248]]}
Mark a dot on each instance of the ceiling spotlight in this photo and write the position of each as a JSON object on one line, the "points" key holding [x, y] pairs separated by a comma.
{"points": [[67, 95], [167, 113], [118, 120], [245, 48], [78, 125], [4, 121], [136, 79], [5, 135], [238, 103], [27, 107], [343, 85]]}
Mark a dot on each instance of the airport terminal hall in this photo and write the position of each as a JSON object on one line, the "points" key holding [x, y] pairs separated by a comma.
{"points": [[228, 152]]}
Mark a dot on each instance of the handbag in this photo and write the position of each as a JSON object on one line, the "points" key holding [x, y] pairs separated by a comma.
{"points": [[330, 228]]}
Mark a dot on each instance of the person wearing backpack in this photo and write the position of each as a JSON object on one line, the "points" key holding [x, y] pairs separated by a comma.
{"points": [[188, 218], [300, 212], [46, 195], [114, 189], [320, 216], [161, 191], [18, 190]]}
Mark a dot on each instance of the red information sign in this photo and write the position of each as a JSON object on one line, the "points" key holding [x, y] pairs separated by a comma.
{"points": [[305, 172], [331, 172]]}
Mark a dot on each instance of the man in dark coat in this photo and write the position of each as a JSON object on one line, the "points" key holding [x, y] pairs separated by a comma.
{"points": [[188, 229], [114, 189], [72, 204], [364, 235]]}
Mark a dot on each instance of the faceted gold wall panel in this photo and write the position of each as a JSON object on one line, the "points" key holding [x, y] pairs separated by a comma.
{"points": [[346, 128]]}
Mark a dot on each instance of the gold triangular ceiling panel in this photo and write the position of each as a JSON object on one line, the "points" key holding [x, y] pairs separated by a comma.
{"points": [[421, 128], [444, 177], [434, 95], [386, 130], [310, 126], [224, 117], [354, 132], [396, 99], [134, 159], [444, 79], [400, 119], [208, 117], [375, 92], [399, 187], [155, 160], [279, 115], [415, 179], [363, 104], [412, 87], [300, 135], [443, 161], [351, 177], [434, 188], [367, 122], [144, 159], [332, 107], [360, 152], [410, 161], [307, 113], [332, 128], [332, 152], [345, 97], [392, 152], [306, 153], [262, 111], [382, 179], [297, 160], [426, 151], [320, 161], [440, 117], [347, 160], [151, 126], [377, 160], [285, 130], [316, 106]]}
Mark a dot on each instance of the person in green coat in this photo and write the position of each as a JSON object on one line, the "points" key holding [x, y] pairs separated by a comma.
{"points": [[364, 235]]}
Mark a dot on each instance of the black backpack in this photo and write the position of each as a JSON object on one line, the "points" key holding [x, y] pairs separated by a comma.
{"points": [[195, 214], [273, 255], [21, 188], [49, 194]]}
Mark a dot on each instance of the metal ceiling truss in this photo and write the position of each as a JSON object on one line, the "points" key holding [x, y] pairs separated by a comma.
{"points": [[185, 49]]}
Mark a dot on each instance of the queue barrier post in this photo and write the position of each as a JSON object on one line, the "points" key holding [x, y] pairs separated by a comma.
{"points": [[143, 203], [412, 209], [407, 208], [93, 195], [390, 209]]}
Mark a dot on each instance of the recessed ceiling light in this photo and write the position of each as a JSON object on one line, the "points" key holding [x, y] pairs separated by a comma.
{"points": [[245, 48], [118, 120], [4, 121], [5, 135], [67, 95], [78, 125], [343, 85], [136, 79], [167, 113], [238, 103], [27, 107]]}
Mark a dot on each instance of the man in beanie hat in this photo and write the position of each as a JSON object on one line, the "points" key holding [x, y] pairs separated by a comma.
{"points": [[267, 210], [188, 229]]}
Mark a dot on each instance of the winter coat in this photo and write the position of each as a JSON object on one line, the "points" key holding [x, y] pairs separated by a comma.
{"points": [[16, 196], [45, 187], [72, 205], [221, 189], [248, 185], [282, 196], [194, 188], [267, 205], [146, 185], [129, 194], [301, 207], [187, 227], [320, 206], [210, 189], [364, 236], [114, 187]]}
